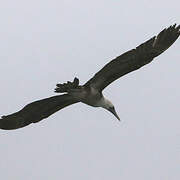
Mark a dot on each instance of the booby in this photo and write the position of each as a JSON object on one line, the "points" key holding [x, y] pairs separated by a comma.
{"points": [[91, 92]]}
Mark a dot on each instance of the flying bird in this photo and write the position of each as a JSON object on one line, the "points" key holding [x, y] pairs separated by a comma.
{"points": [[91, 92]]}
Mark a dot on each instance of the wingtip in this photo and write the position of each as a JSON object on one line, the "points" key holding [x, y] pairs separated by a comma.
{"points": [[175, 26]]}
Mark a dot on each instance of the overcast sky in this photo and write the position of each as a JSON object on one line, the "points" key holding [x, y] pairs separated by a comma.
{"points": [[43, 42]]}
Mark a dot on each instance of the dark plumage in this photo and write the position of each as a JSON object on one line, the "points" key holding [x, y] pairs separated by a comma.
{"points": [[36, 111], [65, 87], [135, 58], [91, 92]]}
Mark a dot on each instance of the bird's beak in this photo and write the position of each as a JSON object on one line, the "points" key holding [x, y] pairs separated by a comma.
{"points": [[113, 111]]}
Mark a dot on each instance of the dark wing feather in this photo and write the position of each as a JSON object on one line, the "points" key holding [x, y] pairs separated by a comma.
{"points": [[135, 58], [35, 112]]}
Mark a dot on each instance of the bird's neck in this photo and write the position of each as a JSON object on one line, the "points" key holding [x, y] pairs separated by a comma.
{"points": [[104, 103]]}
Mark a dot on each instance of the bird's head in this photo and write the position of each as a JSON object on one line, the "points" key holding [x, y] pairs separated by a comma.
{"points": [[110, 107]]}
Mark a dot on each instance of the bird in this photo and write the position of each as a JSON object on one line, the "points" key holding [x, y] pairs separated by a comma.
{"points": [[91, 92]]}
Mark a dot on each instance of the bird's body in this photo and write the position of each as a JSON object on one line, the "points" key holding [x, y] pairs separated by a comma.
{"points": [[91, 92], [89, 96]]}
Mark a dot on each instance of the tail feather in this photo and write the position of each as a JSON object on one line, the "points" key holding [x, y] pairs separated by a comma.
{"points": [[66, 87], [36, 111]]}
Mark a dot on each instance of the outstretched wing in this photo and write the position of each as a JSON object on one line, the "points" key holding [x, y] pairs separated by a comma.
{"points": [[135, 58], [36, 111]]}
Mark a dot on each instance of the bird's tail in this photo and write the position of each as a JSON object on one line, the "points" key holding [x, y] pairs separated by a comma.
{"points": [[67, 87], [36, 111]]}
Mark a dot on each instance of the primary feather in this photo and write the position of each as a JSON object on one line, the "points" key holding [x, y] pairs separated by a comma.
{"points": [[36, 111], [135, 58]]}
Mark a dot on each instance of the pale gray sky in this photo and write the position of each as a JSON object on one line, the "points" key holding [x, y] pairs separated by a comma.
{"points": [[43, 42]]}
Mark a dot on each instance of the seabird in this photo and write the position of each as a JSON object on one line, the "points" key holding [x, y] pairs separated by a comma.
{"points": [[91, 92]]}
